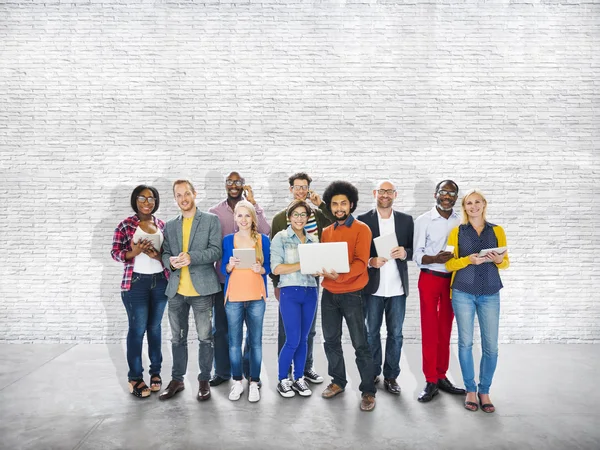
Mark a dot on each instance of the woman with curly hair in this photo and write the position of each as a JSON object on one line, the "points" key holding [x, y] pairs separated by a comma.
{"points": [[245, 294]]}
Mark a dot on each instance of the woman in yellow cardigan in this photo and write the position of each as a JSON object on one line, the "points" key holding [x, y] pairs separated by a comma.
{"points": [[476, 288]]}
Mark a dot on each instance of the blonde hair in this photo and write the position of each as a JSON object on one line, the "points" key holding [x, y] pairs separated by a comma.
{"points": [[465, 216], [254, 234]]}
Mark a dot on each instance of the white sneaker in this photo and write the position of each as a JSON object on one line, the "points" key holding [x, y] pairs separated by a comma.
{"points": [[284, 387], [301, 387], [236, 390], [253, 392]]}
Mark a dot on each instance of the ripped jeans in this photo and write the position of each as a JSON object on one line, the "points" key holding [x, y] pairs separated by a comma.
{"points": [[179, 311]]}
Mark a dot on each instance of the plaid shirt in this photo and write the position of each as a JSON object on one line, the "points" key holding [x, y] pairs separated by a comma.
{"points": [[122, 244]]}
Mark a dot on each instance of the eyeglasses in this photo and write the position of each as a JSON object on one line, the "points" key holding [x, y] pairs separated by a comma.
{"points": [[450, 193], [300, 188], [298, 215], [386, 191], [150, 200], [232, 182]]}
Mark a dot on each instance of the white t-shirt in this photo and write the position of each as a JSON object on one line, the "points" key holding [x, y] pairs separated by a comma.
{"points": [[390, 284], [143, 263]]}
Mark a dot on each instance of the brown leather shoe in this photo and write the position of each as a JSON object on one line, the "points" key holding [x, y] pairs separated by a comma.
{"points": [[392, 386], [173, 388], [203, 391], [367, 402], [332, 390]]}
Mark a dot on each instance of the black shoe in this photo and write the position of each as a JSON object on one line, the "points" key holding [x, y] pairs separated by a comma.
{"points": [[445, 385], [391, 385], [430, 391], [217, 380]]}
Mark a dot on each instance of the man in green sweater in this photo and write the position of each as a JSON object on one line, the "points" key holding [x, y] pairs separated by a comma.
{"points": [[319, 219]]}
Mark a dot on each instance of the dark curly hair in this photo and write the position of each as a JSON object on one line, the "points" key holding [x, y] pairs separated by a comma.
{"points": [[340, 187], [300, 176], [136, 193]]}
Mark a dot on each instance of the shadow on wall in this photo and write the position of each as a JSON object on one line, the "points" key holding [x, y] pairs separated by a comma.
{"points": [[116, 322]]}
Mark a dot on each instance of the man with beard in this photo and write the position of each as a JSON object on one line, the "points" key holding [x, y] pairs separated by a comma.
{"points": [[388, 283], [192, 240], [342, 295], [431, 235], [320, 218], [237, 190]]}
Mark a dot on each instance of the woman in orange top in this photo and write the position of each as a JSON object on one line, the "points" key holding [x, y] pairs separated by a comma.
{"points": [[245, 294]]}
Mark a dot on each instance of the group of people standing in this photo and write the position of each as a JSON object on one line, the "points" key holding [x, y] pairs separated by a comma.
{"points": [[191, 262]]}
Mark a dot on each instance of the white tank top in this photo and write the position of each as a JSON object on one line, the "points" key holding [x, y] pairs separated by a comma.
{"points": [[143, 263]]}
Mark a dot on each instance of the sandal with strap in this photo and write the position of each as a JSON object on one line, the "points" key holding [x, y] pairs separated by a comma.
{"points": [[486, 407], [155, 382], [471, 406], [139, 388]]}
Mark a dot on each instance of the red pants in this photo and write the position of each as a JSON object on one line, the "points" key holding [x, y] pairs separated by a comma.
{"points": [[436, 325]]}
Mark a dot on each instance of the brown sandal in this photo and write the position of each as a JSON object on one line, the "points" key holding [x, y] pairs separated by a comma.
{"points": [[486, 407], [155, 383], [139, 388]]}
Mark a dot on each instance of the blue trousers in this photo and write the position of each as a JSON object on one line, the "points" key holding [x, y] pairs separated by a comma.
{"points": [[297, 306]]}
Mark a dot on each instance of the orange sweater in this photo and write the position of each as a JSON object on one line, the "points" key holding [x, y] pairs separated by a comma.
{"points": [[358, 236]]}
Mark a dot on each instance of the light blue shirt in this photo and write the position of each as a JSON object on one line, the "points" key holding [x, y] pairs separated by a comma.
{"points": [[284, 250], [431, 236]]}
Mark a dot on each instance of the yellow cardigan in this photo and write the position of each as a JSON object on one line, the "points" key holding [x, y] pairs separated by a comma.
{"points": [[457, 263]]}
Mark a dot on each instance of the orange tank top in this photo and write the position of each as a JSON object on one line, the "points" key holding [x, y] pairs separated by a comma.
{"points": [[245, 285]]}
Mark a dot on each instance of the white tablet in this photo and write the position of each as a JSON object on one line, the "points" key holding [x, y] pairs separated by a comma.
{"points": [[247, 257], [329, 256], [153, 238], [384, 245], [498, 250]]}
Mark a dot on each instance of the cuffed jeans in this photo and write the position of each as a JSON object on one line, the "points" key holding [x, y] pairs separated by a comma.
{"points": [[179, 311], [395, 308], [487, 308], [281, 337], [252, 312], [145, 303], [297, 307], [348, 306]]}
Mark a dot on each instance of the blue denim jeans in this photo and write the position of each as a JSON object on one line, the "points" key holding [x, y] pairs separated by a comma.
{"points": [[487, 308], [297, 307], [308, 364], [145, 303], [395, 308], [349, 306], [252, 312], [221, 337], [179, 311]]}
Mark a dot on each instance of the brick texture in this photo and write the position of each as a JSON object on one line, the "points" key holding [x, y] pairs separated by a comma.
{"points": [[99, 96]]}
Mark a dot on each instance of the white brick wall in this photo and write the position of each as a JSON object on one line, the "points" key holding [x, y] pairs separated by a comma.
{"points": [[96, 97]]}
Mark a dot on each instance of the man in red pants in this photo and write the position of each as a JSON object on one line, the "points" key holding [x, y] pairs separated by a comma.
{"points": [[429, 247]]}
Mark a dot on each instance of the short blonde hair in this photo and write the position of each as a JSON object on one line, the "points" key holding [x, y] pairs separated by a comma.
{"points": [[465, 216], [256, 236]]}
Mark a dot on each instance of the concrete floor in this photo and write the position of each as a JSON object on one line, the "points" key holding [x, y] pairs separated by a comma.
{"points": [[75, 397]]}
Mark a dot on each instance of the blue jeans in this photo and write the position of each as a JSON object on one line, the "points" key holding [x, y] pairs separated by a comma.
{"points": [[395, 308], [487, 308], [221, 337], [297, 308], [252, 312], [349, 306], [145, 303], [179, 311]]}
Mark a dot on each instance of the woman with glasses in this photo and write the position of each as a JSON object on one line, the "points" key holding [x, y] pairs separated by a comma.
{"points": [[137, 243], [476, 288], [297, 298], [245, 294]]}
